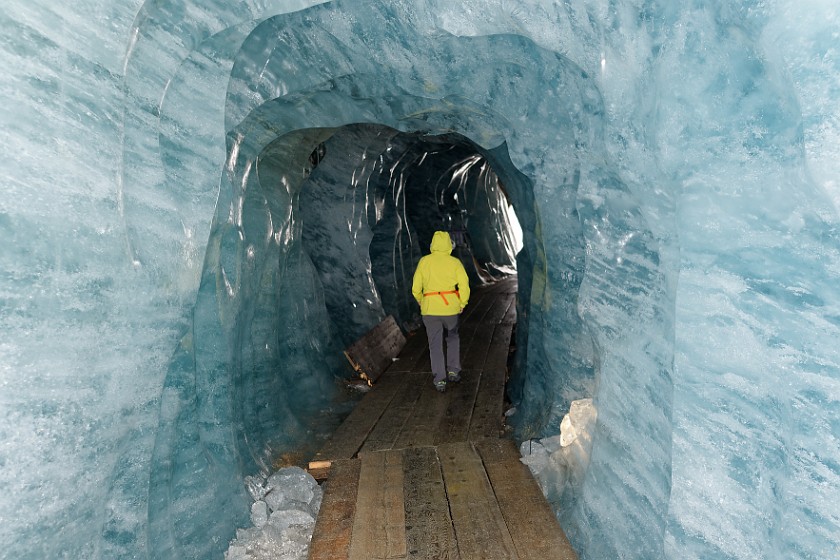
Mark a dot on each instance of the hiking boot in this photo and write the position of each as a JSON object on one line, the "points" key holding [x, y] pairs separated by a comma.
{"points": [[440, 386], [453, 377]]}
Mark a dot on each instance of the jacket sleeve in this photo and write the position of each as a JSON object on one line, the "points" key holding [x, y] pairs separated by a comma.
{"points": [[417, 285], [463, 285]]}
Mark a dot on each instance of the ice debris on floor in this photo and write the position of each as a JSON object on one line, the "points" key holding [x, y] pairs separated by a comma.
{"points": [[559, 460], [283, 517]]}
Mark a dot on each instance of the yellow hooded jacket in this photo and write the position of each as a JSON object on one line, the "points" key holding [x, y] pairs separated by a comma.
{"points": [[441, 272]]}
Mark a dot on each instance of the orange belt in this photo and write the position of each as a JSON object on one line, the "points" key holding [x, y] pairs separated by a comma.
{"points": [[441, 294]]}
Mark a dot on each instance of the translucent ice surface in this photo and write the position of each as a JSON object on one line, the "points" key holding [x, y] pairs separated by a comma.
{"points": [[205, 200]]}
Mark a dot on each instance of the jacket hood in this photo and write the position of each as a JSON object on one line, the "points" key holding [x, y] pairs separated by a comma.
{"points": [[441, 243]]}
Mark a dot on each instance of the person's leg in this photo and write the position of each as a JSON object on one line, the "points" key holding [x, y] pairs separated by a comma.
{"points": [[453, 344], [434, 330]]}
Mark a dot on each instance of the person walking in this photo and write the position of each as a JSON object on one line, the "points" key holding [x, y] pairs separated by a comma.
{"points": [[442, 289]]}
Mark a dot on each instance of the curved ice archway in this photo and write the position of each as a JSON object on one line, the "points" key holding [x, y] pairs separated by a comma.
{"points": [[202, 426]]}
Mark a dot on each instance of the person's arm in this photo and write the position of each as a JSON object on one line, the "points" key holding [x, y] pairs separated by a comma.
{"points": [[417, 285], [463, 285]]}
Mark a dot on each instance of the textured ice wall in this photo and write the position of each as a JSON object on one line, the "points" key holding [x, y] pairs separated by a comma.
{"points": [[680, 260], [756, 372]]}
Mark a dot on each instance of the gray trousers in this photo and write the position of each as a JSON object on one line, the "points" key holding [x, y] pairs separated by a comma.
{"points": [[434, 330]]}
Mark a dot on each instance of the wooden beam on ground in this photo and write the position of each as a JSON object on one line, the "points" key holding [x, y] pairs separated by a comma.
{"points": [[421, 428], [466, 333], [477, 304], [531, 521], [428, 527], [394, 419], [480, 528], [414, 349], [334, 526], [497, 353], [474, 355], [487, 420], [455, 423], [470, 323], [379, 525], [424, 364], [373, 353], [500, 308], [487, 415], [350, 436]]}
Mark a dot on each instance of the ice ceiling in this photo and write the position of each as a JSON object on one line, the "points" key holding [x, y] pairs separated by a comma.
{"points": [[204, 199]]}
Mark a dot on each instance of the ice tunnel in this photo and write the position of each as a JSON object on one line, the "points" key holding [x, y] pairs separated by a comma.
{"points": [[206, 200]]}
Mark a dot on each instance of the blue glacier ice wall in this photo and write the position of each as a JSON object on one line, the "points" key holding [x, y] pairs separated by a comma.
{"points": [[674, 169]]}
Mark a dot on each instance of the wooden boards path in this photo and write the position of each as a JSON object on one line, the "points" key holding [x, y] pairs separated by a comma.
{"points": [[469, 501], [404, 410], [414, 473]]}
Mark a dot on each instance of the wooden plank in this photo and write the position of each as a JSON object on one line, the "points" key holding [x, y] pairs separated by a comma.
{"points": [[486, 306], [413, 350], [480, 528], [394, 419], [421, 360], [394, 505], [455, 424], [373, 353], [497, 354], [321, 470], [351, 434], [529, 518], [500, 308], [333, 528], [424, 364], [476, 353], [422, 425], [474, 335], [379, 525], [480, 302], [510, 316], [428, 527], [488, 412], [466, 332], [470, 322]]}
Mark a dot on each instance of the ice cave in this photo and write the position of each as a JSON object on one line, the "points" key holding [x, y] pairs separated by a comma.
{"points": [[204, 200]]}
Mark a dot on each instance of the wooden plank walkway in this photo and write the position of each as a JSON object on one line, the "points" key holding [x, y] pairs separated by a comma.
{"points": [[414, 473]]}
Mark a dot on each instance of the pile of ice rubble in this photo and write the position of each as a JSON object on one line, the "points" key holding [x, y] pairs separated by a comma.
{"points": [[557, 460], [283, 517]]}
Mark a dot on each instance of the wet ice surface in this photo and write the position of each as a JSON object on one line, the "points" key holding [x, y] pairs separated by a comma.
{"points": [[674, 167], [282, 517], [561, 460]]}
